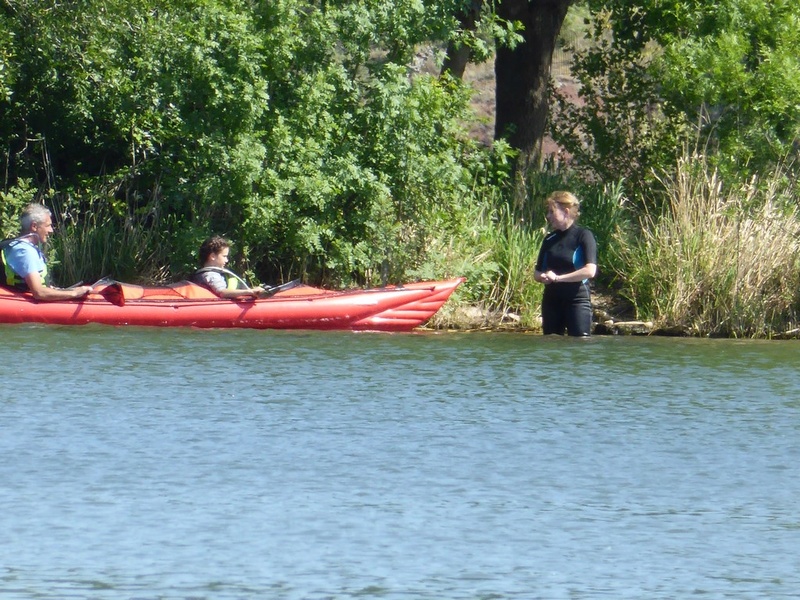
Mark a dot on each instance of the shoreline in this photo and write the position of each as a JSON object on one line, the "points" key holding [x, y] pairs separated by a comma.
{"points": [[611, 317]]}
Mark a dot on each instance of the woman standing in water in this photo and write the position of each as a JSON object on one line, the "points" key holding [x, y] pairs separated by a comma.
{"points": [[566, 263]]}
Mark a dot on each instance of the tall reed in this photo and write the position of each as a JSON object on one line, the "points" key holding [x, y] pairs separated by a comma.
{"points": [[109, 240], [496, 251], [718, 260]]}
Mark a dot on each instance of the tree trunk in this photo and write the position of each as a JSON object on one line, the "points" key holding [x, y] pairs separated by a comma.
{"points": [[457, 57], [455, 60], [523, 74]]}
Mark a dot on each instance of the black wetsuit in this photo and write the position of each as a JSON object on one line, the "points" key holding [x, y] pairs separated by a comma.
{"points": [[567, 305]]}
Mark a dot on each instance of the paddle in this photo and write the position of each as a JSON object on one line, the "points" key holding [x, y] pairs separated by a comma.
{"points": [[271, 291], [104, 279], [112, 292]]}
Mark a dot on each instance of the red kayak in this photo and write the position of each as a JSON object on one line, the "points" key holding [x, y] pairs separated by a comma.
{"points": [[184, 304]]}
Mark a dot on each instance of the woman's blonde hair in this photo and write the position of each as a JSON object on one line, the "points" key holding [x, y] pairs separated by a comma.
{"points": [[566, 200]]}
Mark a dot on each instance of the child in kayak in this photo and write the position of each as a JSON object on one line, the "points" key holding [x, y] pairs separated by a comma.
{"points": [[213, 274]]}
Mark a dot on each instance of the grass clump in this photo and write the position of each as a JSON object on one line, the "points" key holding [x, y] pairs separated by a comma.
{"points": [[717, 260], [496, 252], [109, 240]]}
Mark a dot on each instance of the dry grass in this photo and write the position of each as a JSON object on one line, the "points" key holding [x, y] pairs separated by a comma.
{"points": [[719, 261]]}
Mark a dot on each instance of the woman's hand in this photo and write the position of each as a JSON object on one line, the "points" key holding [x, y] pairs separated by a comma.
{"points": [[549, 277], [587, 271]]}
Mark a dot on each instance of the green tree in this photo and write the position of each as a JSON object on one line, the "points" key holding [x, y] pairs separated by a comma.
{"points": [[724, 76], [525, 33], [6, 57], [738, 76], [386, 156], [296, 128]]}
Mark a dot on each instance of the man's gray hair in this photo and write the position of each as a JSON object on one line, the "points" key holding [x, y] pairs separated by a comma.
{"points": [[33, 213]]}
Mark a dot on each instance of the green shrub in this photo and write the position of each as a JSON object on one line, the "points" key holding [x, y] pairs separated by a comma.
{"points": [[11, 204]]}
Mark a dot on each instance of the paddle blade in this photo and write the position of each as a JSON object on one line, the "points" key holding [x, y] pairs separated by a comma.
{"points": [[113, 293]]}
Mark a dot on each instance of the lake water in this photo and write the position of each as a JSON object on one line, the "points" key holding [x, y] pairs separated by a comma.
{"points": [[182, 464]]}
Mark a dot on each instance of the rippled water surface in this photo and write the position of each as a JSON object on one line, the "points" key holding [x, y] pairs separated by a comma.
{"points": [[182, 464]]}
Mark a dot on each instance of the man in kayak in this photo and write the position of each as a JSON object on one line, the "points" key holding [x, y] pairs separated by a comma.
{"points": [[213, 275], [23, 261]]}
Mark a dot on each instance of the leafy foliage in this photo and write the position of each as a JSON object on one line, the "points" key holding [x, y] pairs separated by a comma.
{"points": [[295, 128], [11, 204], [661, 75]]}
